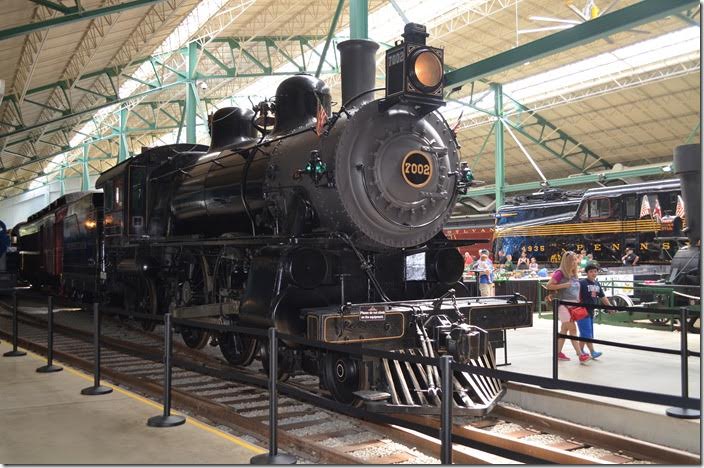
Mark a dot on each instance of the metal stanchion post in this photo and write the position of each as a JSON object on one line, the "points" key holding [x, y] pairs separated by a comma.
{"points": [[273, 457], [96, 389], [167, 419], [555, 306], [50, 367], [446, 411], [683, 413], [15, 352]]}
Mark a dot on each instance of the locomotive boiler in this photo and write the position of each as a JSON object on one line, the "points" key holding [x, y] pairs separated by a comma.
{"points": [[326, 225]]}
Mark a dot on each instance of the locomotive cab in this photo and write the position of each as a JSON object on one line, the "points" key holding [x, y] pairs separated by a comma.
{"points": [[131, 198]]}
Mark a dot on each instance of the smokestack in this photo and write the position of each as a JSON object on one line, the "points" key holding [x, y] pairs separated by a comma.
{"points": [[687, 162], [358, 63]]}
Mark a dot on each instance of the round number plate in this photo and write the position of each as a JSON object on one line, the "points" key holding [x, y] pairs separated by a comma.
{"points": [[417, 169]]}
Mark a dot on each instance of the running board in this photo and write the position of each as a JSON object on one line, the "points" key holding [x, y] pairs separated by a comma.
{"points": [[206, 310]]}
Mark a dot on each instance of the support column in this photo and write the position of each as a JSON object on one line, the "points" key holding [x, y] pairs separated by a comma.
{"points": [[499, 150], [123, 149], [85, 179], [191, 96], [62, 178], [359, 15]]}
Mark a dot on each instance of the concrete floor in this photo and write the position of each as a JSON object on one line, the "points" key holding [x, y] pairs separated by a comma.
{"points": [[45, 420], [530, 352]]}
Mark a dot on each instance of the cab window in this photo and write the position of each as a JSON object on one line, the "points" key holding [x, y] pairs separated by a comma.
{"points": [[118, 194], [584, 212], [108, 195], [599, 208], [631, 207]]}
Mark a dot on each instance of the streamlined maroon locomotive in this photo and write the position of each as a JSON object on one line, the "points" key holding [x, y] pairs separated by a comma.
{"points": [[326, 225]]}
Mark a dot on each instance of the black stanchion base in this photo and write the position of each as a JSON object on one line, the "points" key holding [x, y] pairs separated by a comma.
{"points": [[268, 459], [165, 421], [15, 353], [683, 413], [96, 390], [49, 368]]}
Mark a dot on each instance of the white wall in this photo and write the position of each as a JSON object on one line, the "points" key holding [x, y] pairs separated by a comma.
{"points": [[18, 208]]}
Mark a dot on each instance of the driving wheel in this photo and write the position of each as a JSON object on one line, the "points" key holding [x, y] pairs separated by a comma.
{"points": [[193, 290]]}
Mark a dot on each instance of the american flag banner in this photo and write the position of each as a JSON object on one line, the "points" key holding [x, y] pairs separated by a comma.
{"points": [[321, 117], [644, 207], [679, 211], [657, 211]]}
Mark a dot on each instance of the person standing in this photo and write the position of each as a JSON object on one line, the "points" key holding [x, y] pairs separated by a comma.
{"points": [[630, 259], [508, 265], [533, 266], [523, 261], [566, 284], [583, 260], [468, 261], [485, 269], [501, 257], [592, 294]]}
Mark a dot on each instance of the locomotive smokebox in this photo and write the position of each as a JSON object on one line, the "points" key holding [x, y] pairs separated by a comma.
{"points": [[688, 167], [358, 64]]}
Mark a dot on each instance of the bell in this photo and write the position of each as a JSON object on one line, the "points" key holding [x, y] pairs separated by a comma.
{"points": [[265, 121]]}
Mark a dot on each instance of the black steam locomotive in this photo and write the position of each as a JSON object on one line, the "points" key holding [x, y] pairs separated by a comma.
{"points": [[326, 228]]}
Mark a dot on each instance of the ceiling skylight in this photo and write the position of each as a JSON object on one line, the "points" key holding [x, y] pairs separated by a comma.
{"points": [[195, 20], [667, 49]]}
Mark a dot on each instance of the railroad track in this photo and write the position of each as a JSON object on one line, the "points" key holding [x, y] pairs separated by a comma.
{"points": [[204, 386]]}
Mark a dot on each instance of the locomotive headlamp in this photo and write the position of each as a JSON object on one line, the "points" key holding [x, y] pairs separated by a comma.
{"points": [[426, 72], [414, 71]]}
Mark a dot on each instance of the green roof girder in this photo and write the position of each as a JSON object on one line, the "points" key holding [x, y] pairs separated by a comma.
{"points": [[56, 6], [331, 32], [72, 18], [603, 26], [85, 111]]}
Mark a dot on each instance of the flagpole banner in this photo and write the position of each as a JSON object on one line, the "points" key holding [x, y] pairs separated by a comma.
{"points": [[679, 211], [644, 207], [657, 211]]}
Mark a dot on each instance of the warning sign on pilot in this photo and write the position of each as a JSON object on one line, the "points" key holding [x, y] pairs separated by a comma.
{"points": [[371, 314]]}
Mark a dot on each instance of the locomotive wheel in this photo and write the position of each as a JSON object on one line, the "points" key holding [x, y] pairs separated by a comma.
{"points": [[141, 297], [149, 303], [343, 376], [282, 374], [194, 290], [194, 338], [238, 349]]}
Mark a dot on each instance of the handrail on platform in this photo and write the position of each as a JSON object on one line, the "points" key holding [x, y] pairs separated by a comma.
{"points": [[682, 411]]}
